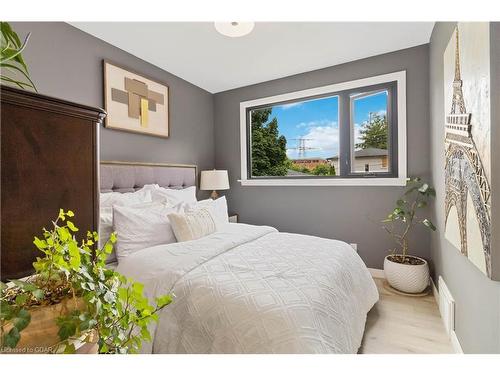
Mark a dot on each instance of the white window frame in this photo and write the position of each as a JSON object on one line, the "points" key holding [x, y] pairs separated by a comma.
{"points": [[400, 180]]}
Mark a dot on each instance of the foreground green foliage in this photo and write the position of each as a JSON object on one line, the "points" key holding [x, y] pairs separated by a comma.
{"points": [[115, 306], [12, 64], [403, 217]]}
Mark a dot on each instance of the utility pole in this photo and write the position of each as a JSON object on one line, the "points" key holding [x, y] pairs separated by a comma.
{"points": [[301, 146]]}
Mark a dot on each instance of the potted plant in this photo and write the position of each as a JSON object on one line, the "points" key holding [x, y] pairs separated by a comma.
{"points": [[404, 272], [73, 301], [12, 63]]}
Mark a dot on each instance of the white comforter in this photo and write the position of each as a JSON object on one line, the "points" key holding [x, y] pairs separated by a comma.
{"points": [[251, 289]]}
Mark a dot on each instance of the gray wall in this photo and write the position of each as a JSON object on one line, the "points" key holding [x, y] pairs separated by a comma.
{"points": [[477, 298], [67, 63], [351, 214]]}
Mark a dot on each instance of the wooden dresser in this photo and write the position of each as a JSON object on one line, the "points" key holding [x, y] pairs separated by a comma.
{"points": [[49, 160]]}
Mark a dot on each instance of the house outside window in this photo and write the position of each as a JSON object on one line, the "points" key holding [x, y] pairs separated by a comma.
{"points": [[368, 159], [351, 133]]}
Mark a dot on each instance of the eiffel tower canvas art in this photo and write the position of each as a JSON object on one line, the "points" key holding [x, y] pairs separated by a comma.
{"points": [[467, 143]]}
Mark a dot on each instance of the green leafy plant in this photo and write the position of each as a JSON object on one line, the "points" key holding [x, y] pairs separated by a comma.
{"points": [[373, 133], [268, 147], [404, 216], [12, 63], [319, 170], [324, 170], [115, 308]]}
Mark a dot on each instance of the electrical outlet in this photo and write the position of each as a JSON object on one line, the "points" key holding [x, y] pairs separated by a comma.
{"points": [[354, 246]]}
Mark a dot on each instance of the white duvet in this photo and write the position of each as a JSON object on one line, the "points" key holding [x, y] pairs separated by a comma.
{"points": [[251, 289]]}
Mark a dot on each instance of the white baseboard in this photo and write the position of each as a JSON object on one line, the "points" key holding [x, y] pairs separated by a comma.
{"points": [[455, 343], [377, 273], [435, 291]]}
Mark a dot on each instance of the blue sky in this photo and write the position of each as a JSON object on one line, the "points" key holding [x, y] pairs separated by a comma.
{"points": [[318, 120]]}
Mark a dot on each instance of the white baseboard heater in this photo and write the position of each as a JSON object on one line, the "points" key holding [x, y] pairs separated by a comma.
{"points": [[446, 306]]}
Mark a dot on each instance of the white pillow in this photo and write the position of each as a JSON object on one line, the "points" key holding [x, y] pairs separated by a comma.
{"points": [[142, 195], [193, 224], [142, 226], [108, 200], [175, 196], [219, 207], [105, 229]]}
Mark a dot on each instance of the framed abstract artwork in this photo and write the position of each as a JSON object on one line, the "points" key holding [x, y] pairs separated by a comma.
{"points": [[467, 126], [135, 103]]}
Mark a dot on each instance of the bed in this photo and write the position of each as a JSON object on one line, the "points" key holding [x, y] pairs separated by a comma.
{"points": [[246, 288]]}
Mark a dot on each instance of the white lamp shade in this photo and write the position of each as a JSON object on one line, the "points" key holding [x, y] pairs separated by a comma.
{"points": [[214, 180]]}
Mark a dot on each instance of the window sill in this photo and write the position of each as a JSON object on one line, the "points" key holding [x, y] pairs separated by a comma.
{"points": [[367, 181]]}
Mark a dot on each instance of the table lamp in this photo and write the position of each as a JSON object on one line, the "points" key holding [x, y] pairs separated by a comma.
{"points": [[214, 180]]}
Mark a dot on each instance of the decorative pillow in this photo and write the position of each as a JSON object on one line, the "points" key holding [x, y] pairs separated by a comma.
{"points": [[108, 200], [142, 226], [193, 224], [175, 196], [219, 207]]}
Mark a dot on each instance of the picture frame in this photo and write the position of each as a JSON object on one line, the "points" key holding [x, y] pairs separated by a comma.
{"points": [[135, 102], [467, 142]]}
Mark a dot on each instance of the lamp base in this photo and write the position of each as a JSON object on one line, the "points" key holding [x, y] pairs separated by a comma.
{"points": [[214, 195]]}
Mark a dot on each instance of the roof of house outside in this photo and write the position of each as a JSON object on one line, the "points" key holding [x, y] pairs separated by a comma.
{"points": [[365, 153]]}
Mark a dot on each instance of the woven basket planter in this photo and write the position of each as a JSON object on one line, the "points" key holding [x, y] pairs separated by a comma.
{"points": [[407, 278]]}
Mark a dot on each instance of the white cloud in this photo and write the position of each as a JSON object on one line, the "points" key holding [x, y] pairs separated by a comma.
{"points": [[324, 138], [311, 124], [324, 141], [291, 105]]}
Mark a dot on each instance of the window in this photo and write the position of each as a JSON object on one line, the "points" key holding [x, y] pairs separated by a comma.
{"points": [[294, 139], [352, 133], [371, 124]]}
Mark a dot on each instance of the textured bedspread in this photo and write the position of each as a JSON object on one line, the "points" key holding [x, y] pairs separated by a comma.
{"points": [[251, 289]]}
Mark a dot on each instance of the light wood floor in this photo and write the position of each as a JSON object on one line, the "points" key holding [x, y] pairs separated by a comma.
{"points": [[404, 325]]}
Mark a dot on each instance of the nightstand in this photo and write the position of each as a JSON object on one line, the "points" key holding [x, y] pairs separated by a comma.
{"points": [[233, 218]]}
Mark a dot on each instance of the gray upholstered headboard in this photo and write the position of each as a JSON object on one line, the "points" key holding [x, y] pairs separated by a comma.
{"points": [[125, 177]]}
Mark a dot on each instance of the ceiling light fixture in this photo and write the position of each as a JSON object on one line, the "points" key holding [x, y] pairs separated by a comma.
{"points": [[234, 29]]}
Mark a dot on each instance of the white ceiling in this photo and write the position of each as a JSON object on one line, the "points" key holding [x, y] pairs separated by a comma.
{"points": [[196, 52]]}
